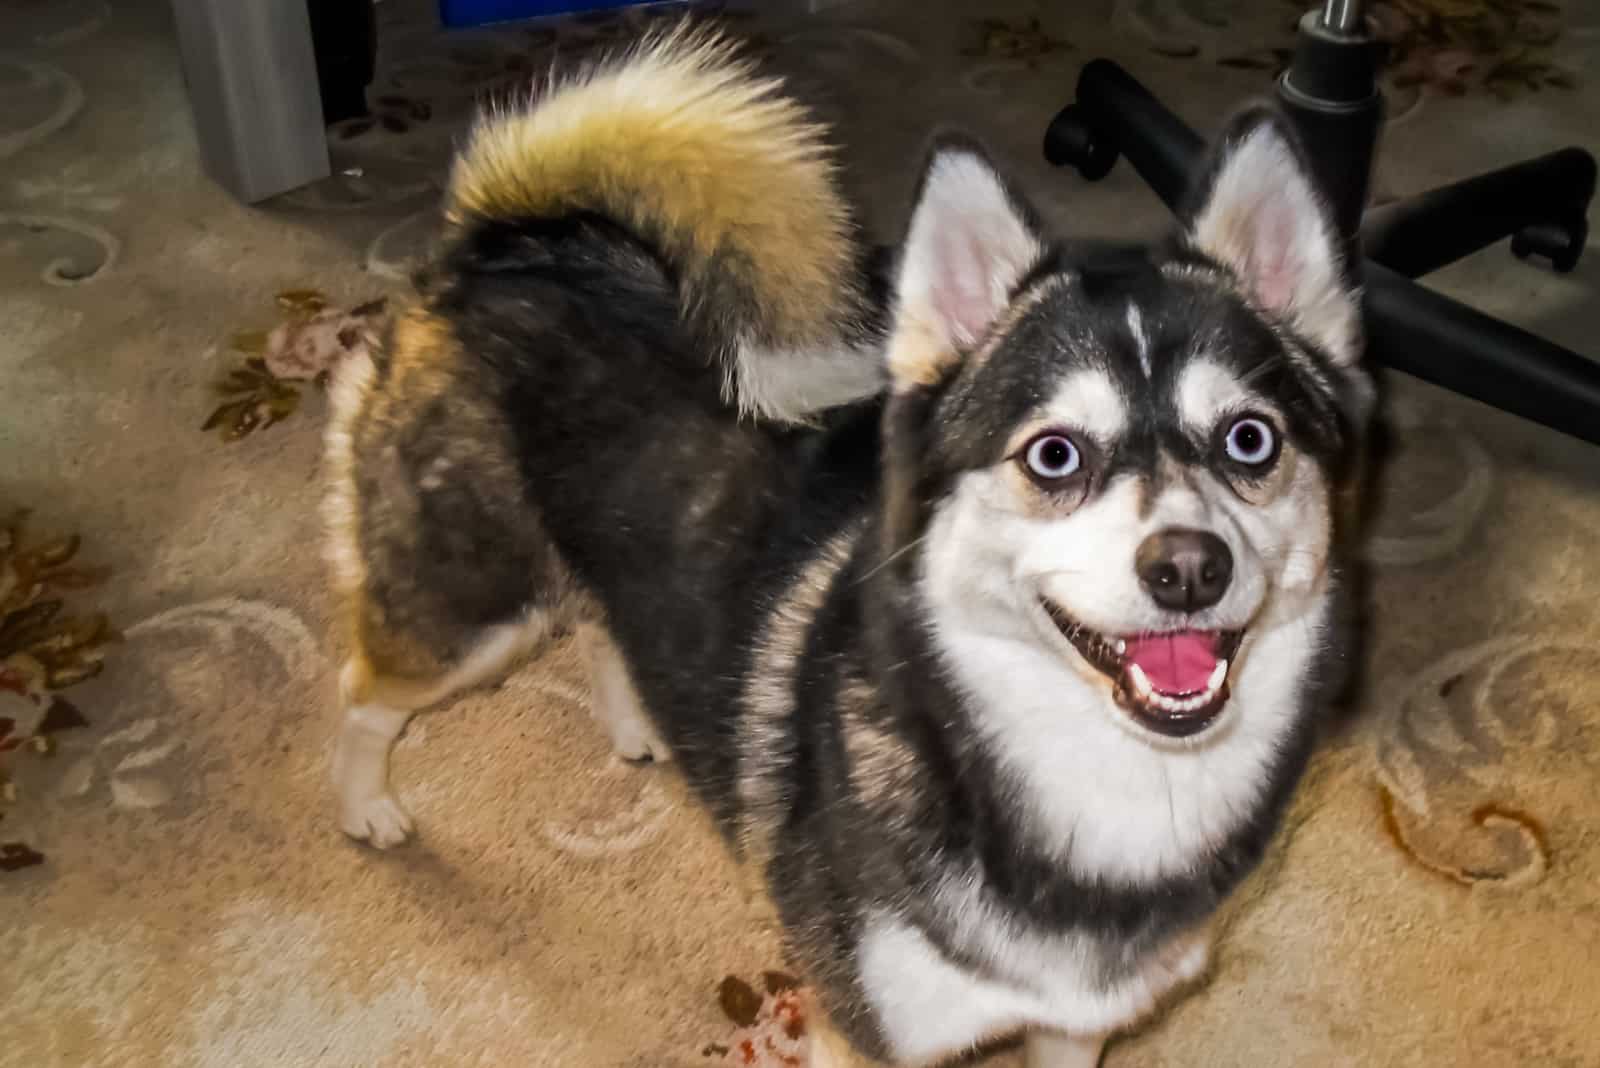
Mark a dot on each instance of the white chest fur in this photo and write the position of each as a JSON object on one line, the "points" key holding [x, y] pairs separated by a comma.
{"points": [[930, 1007], [1113, 801], [1110, 803]]}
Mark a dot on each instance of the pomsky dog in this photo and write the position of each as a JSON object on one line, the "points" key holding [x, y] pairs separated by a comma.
{"points": [[989, 615]]}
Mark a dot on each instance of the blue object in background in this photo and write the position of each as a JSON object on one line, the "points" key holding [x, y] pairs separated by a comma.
{"points": [[481, 12]]}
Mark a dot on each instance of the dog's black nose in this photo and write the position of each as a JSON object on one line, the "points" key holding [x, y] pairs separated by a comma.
{"points": [[1184, 570]]}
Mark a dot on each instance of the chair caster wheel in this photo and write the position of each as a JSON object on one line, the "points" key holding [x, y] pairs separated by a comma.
{"points": [[1561, 244], [1069, 139]]}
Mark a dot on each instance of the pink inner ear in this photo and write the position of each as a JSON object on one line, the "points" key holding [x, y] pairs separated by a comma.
{"points": [[963, 294], [1275, 282], [1275, 264]]}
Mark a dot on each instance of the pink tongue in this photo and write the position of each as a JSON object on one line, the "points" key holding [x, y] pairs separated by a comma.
{"points": [[1175, 663]]}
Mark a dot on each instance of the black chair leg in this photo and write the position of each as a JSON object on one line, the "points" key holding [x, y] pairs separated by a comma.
{"points": [[1542, 203], [1116, 116], [1410, 328]]}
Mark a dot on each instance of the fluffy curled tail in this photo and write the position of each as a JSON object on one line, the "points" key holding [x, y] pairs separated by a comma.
{"points": [[681, 142]]}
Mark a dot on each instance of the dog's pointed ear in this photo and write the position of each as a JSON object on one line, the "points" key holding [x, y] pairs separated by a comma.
{"points": [[1259, 212], [971, 240]]}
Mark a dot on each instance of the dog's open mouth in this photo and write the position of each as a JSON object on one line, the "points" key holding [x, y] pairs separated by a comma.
{"points": [[1171, 682]]}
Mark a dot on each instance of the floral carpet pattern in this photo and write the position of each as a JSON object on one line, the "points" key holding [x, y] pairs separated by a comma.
{"points": [[173, 890], [43, 651]]}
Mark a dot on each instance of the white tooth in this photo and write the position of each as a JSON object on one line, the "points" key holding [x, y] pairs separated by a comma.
{"points": [[1141, 681], [1219, 675], [1120, 646]]}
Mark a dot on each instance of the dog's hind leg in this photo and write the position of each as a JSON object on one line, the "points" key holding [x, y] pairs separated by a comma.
{"points": [[614, 700], [376, 710], [368, 809]]}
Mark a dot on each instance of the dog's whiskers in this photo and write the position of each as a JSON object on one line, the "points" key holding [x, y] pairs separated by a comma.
{"points": [[892, 557], [1262, 369]]}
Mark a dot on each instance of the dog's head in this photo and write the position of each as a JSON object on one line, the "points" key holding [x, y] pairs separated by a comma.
{"points": [[1126, 467]]}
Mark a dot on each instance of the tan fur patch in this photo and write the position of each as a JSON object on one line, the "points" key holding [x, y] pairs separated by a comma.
{"points": [[919, 355], [768, 699], [880, 762], [423, 355], [355, 681], [400, 665], [354, 402], [347, 396], [827, 1046]]}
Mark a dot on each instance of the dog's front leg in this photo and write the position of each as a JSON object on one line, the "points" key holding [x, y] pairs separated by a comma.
{"points": [[615, 702], [1052, 1049]]}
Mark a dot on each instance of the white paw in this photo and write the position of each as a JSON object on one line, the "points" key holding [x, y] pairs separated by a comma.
{"points": [[635, 742], [377, 819]]}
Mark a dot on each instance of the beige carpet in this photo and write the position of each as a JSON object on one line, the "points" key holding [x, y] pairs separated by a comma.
{"points": [[1436, 902]]}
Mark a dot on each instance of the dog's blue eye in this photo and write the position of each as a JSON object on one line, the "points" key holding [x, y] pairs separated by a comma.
{"points": [[1251, 441], [1052, 456]]}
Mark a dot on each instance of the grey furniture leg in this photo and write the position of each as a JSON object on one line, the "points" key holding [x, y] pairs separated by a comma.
{"points": [[252, 81]]}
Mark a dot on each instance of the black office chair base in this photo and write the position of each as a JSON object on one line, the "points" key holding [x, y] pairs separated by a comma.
{"points": [[1559, 243], [1540, 204], [1071, 142]]}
